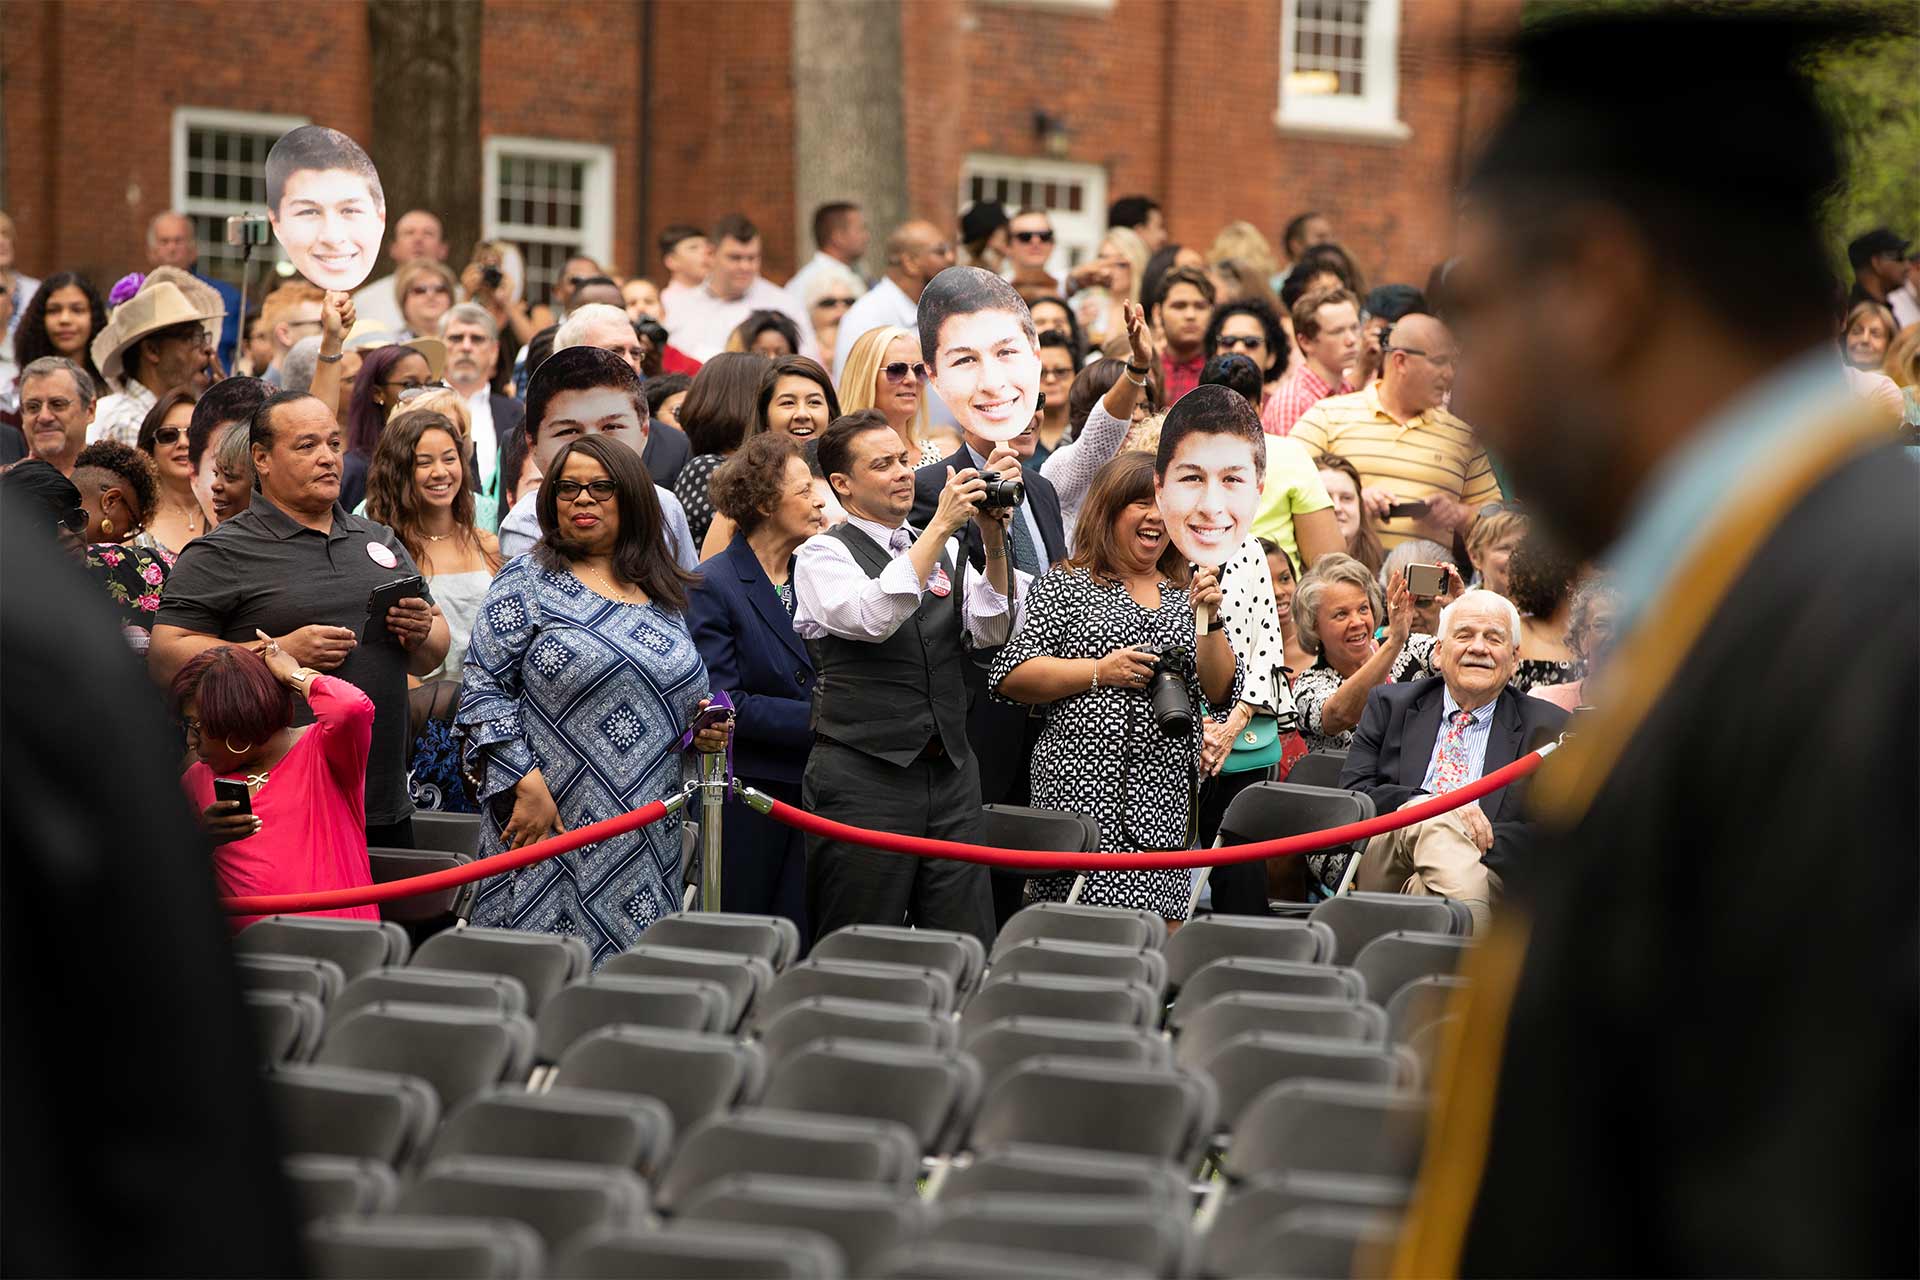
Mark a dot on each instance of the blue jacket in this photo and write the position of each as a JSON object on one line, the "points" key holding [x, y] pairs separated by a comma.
{"points": [[747, 639]]}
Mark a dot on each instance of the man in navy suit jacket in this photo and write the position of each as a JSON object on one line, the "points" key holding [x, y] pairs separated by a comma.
{"points": [[1428, 737]]}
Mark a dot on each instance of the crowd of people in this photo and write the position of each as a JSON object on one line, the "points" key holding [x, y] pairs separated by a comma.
{"points": [[438, 545]]}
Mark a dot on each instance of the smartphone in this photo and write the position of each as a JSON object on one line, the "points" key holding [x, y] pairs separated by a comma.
{"points": [[1426, 579], [383, 598], [233, 789], [1407, 510], [247, 229]]}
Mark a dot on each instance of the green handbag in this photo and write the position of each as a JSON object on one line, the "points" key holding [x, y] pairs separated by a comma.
{"points": [[1256, 747]]}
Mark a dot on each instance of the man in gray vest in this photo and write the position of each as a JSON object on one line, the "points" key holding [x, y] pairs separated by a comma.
{"points": [[891, 612]]}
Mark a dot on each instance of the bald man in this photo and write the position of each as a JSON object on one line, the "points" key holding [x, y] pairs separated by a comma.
{"points": [[917, 251], [173, 242], [1408, 448]]}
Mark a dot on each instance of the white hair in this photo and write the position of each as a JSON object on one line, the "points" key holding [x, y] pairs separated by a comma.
{"points": [[829, 277], [1479, 594], [573, 330], [298, 366], [1412, 551], [470, 313]]}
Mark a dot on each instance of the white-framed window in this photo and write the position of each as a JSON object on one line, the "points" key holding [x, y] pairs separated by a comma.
{"points": [[220, 168], [551, 199], [1074, 196], [1340, 66]]}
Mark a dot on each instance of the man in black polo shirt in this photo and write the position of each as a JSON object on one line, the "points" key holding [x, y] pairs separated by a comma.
{"points": [[295, 565]]}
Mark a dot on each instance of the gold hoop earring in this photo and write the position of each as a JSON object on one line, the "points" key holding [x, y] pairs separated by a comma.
{"points": [[238, 751]]}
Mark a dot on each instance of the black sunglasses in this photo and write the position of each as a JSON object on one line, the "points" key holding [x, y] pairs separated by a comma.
{"points": [[168, 435], [899, 369], [75, 520], [1034, 237]]}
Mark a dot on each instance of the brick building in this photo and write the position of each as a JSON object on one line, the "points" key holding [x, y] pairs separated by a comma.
{"points": [[600, 123]]}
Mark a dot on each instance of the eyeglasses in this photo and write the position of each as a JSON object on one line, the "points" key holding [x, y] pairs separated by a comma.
{"points": [[899, 369], [423, 290], [1445, 360], [1054, 375], [1034, 237], [834, 302], [570, 490], [1499, 509], [75, 520], [577, 281], [59, 406], [1252, 342], [169, 435], [192, 727]]}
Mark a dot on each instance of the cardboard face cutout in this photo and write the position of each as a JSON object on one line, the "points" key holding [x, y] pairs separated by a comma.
{"points": [[328, 209], [987, 358], [1207, 473]]}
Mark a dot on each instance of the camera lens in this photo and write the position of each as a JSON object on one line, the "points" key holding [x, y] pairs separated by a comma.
{"points": [[1172, 712]]}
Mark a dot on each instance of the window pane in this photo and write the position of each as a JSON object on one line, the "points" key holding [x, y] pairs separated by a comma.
{"points": [[1329, 47]]}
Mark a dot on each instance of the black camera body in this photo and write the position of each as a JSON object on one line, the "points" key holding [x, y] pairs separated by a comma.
{"points": [[1167, 688], [492, 277], [1001, 493]]}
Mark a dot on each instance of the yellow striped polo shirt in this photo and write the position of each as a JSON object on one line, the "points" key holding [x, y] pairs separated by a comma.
{"points": [[1432, 453]]}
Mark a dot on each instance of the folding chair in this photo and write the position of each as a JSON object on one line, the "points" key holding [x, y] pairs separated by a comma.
{"points": [[1318, 769], [327, 1185], [1083, 960], [1001, 1045], [837, 1018], [695, 1251], [354, 945], [761, 1141], [1151, 1237], [1048, 1171], [925, 989], [1420, 1004], [457, 1051], [958, 955], [543, 962], [1236, 1243], [1328, 1127], [1075, 922], [1392, 960], [446, 832], [580, 1008], [286, 1024], [559, 1201], [1426, 1044], [1046, 995], [342, 1111], [774, 939], [929, 1261], [743, 977], [303, 975], [487, 992], [1201, 942], [932, 1092], [575, 1126], [1322, 1241], [1254, 1061], [353, 1248], [864, 1220], [1009, 826], [423, 913], [1097, 1106], [1238, 1012], [1358, 918], [1271, 810], [1269, 977], [693, 1073]]}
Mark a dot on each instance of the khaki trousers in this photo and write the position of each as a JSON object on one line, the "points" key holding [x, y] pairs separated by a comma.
{"points": [[1436, 858]]}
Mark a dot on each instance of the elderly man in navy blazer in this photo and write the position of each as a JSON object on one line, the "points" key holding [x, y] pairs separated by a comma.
{"points": [[1428, 737]]}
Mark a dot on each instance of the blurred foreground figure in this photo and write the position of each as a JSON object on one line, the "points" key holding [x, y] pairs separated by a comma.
{"points": [[1694, 1049]]}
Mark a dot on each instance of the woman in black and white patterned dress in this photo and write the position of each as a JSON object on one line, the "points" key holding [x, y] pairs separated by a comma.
{"points": [[1077, 654]]}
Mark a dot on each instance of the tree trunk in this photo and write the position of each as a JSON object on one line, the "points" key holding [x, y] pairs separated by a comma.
{"points": [[426, 112], [849, 117]]}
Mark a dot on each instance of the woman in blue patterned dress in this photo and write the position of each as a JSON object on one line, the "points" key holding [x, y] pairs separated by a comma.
{"points": [[580, 680]]}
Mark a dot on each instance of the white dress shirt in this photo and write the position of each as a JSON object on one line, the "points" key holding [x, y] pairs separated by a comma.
{"points": [[1022, 512], [1905, 302], [486, 439], [1072, 466], [700, 322], [376, 306], [1478, 730], [833, 596], [886, 304]]}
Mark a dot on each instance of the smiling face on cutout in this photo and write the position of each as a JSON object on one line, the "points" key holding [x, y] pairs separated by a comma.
{"points": [[987, 369], [1207, 473]]}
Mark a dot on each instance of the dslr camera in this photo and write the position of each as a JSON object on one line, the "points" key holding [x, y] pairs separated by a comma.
{"points": [[1001, 493], [1167, 688]]}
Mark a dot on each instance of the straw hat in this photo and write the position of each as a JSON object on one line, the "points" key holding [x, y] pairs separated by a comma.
{"points": [[369, 334], [167, 297]]}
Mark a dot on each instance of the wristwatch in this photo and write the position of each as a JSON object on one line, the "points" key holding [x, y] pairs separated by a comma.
{"points": [[301, 675]]}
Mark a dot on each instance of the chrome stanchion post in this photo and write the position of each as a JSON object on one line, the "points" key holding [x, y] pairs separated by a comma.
{"points": [[713, 794]]}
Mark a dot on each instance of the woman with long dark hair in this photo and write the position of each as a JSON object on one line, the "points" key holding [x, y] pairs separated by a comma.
{"points": [[798, 401], [386, 373], [719, 410], [580, 682], [177, 517], [62, 320]]}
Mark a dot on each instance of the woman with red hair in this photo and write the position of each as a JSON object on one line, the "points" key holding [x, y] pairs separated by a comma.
{"points": [[304, 827]]}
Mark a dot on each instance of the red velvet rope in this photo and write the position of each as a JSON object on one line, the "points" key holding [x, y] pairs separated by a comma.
{"points": [[369, 895], [1156, 860]]}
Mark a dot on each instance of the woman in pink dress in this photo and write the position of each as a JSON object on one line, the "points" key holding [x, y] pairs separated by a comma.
{"points": [[306, 829]]}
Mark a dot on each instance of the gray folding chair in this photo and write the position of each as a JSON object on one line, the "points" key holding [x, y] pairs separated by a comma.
{"points": [[371, 1115], [1358, 918], [1140, 1234], [864, 1220], [1271, 810], [1097, 1106], [1047, 995], [1321, 1241], [930, 1261], [1236, 1243], [1328, 1127], [774, 939], [694, 1073], [328, 1185], [959, 955], [286, 1024], [1268, 977], [1011, 826], [1238, 1012], [575, 1126], [1057, 1171], [761, 1141], [1199, 943], [837, 1018], [457, 1051], [304, 975], [1427, 1043], [1076, 922], [607, 1000], [354, 945], [1254, 1061], [1083, 960], [743, 977], [380, 1248], [446, 832], [1420, 1004], [1001, 1045], [932, 1092], [487, 992], [543, 962], [1318, 769], [697, 1251], [559, 1201], [924, 989], [1392, 960], [425, 912]]}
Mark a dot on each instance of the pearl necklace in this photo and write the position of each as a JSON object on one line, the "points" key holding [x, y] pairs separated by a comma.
{"points": [[612, 591]]}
